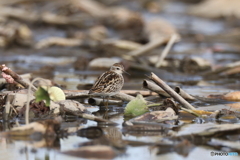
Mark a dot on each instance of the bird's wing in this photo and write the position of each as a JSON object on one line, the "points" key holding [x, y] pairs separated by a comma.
{"points": [[105, 82]]}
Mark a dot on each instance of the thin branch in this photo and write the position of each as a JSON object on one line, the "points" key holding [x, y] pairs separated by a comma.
{"points": [[7, 109], [28, 99], [190, 111], [148, 47], [154, 104], [166, 50]]}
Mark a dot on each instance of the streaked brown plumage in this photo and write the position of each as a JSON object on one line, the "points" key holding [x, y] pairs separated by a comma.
{"points": [[110, 82]]}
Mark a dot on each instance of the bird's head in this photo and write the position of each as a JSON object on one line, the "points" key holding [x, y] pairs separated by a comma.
{"points": [[117, 67]]}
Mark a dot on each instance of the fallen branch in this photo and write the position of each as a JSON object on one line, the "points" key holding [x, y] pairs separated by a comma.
{"points": [[124, 97], [101, 102], [71, 94], [170, 91]]}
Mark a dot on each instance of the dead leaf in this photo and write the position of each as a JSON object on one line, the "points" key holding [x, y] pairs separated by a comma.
{"points": [[156, 116], [232, 96]]}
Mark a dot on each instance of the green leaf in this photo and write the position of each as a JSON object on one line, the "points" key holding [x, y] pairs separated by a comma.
{"points": [[42, 94], [136, 107]]}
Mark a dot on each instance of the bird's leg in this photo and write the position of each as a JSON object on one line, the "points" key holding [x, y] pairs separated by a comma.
{"points": [[106, 112], [107, 102], [104, 101]]}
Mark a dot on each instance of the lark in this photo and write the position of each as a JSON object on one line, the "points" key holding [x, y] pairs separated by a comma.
{"points": [[109, 83]]}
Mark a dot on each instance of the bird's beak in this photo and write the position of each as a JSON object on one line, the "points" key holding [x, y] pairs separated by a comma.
{"points": [[126, 72]]}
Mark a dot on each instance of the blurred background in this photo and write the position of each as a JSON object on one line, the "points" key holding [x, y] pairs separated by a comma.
{"points": [[74, 41]]}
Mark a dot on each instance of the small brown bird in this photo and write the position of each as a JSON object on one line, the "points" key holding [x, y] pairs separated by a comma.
{"points": [[109, 83]]}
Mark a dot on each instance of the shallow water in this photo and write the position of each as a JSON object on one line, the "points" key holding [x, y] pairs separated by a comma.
{"points": [[63, 72]]}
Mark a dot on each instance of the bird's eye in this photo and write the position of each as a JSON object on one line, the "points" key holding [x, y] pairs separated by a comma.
{"points": [[118, 68]]}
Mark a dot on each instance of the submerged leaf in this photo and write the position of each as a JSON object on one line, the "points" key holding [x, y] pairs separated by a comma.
{"points": [[42, 94], [136, 107]]}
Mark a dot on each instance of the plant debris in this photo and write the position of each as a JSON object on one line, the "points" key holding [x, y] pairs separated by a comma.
{"points": [[180, 98]]}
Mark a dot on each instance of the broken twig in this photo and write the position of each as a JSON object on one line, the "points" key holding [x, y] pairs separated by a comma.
{"points": [[170, 91], [154, 87], [100, 102], [184, 94], [14, 75]]}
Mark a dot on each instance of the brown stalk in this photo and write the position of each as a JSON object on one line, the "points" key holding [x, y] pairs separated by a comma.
{"points": [[154, 87], [171, 92], [148, 47], [184, 94], [14, 75], [101, 102], [124, 97], [166, 50]]}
